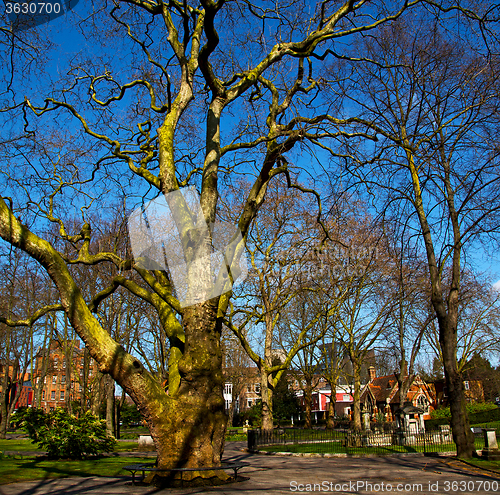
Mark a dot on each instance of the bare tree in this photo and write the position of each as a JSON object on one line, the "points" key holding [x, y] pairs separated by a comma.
{"points": [[279, 245]]}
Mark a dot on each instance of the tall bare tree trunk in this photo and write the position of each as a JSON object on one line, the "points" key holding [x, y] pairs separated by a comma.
{"points": [[110, 406], [307, 390], [118, 409], [188, 428], [460, 426], [267, 421], [39, 379], [446, 308], [330, 422], [356, 396], [4, 401]]}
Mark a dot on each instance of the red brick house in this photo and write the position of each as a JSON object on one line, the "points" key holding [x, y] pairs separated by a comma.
{"points": [[381, 395]]}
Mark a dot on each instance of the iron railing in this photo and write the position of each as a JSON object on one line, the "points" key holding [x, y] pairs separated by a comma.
{"points": [[342, 441]]}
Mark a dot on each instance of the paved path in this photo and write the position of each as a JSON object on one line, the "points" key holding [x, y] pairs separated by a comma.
{"points": [[275, 475]]}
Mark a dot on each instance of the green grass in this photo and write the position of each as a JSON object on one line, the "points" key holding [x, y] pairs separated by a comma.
{"points": [[484, 464], [492, 424], [24, 444], [133, 432], [126, 447], [15, 470], [21, 444]]}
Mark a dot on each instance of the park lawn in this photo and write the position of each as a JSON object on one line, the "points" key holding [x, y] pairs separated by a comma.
{"points": [[484, 464], [236, 437], [491, 424], [18, 444], [133, 433], [128, 446], [14, 470], [24, 444]]}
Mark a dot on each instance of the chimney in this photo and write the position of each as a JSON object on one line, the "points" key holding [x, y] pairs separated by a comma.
{"points": [[372, 372]]}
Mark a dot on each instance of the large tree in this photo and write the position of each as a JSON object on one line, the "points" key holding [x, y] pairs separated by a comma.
{"points": [[201, 92]]}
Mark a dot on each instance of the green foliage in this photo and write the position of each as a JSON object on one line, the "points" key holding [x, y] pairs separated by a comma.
{"points": [[492, 424], [285, 402], [479, 407], [130, 415], [253, 415], [16, 417], [442, 413], [285, 405], [486, 416], [472, 408], [478, 412], [433, 424], [66, 436]]}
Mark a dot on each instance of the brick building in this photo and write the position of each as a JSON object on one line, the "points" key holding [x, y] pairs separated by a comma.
{"points": [[249, 392], [15, 380], [63, 378]]}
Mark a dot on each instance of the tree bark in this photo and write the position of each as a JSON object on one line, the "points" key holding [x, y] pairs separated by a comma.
{"points": [[4, 401], [307, 390], [39, 380], [267, 421], [110, 406], [446, 309], [356, 397], [330, 422], [188, 425], [460, 427]]}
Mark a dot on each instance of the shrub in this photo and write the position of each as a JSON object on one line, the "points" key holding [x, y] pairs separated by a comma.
{"points": [[479, 407], [485, 416], [443, 413], [433, 424], [16, 418], [63, 435], [478, 412], [130, 415]]}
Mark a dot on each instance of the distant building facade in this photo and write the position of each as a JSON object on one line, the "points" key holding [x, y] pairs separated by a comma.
{"points": [[473, 390], [381, 396], [62, 378], [321, 397], [249, 393]]}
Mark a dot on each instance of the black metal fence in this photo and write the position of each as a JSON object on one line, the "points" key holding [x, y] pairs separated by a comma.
{"points": [[351, 442]]}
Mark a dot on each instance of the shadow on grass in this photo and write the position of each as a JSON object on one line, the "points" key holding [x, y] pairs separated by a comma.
{"points": [[50, 471]]}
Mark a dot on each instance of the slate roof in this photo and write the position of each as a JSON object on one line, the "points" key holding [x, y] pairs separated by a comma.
{"points": [[382, 387]]}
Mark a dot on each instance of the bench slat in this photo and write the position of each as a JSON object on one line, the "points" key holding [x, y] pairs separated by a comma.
{"points": [[150, 467]]}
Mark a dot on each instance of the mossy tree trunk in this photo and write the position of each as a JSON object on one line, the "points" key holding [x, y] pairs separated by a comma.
{"points": [[187, 424], [356, 410], [330, 422], [307, 391], [110, 406], [266, 392]]}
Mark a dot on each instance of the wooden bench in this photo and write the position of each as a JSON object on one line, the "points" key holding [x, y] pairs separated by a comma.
{"points": [[150, 467]]}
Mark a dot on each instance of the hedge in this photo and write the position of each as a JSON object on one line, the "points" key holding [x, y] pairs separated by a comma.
{"points": [[485, 416]]}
